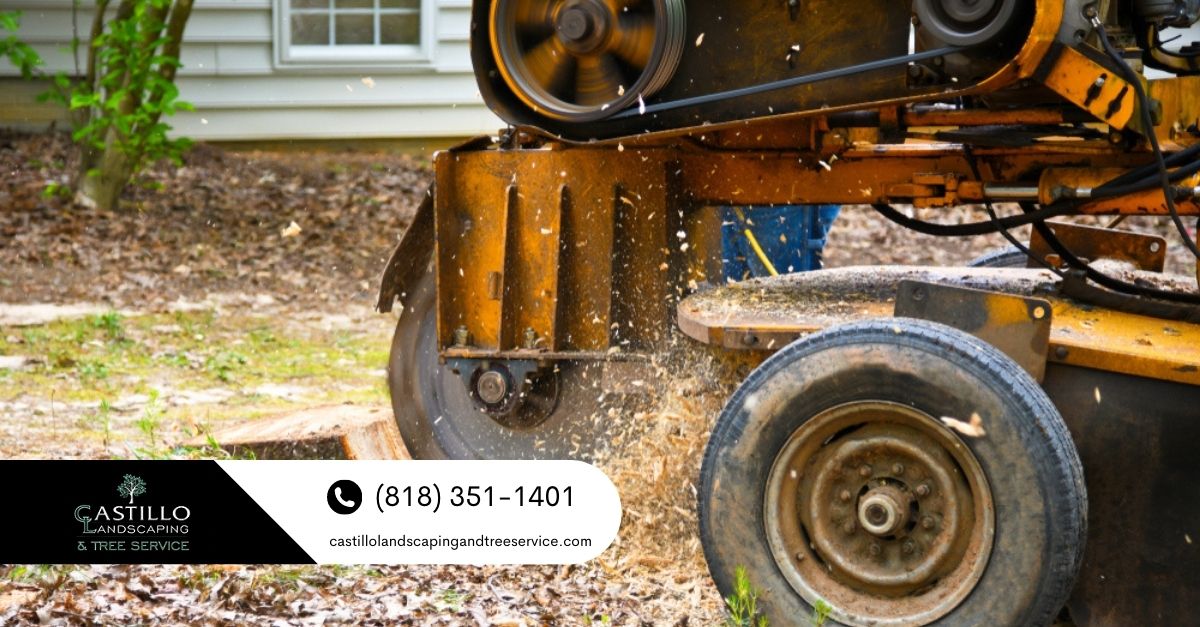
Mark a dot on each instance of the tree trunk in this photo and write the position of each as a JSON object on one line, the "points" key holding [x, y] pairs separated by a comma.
{"points": [[103, 174]]}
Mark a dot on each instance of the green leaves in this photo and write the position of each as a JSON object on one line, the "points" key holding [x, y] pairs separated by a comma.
{"points": [[133, 89], [10, 20], [742, 605], [18, 53]]}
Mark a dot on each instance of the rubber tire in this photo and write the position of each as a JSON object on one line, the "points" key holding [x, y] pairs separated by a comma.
{"points": [[438, 419], [1010, 257], [1027, 455]]}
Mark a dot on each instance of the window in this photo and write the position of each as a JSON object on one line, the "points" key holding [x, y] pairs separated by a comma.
{"points": [[353, 32]]}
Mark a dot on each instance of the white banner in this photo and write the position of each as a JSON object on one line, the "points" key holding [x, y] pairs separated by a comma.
{"points": [[437, 512]]}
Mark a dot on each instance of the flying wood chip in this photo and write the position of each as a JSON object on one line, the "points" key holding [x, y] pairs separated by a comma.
{"points": [[972, 429], [292, 230]]}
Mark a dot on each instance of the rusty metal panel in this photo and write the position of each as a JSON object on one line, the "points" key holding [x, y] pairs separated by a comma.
{"points": [[1093, 87], [1018, 326], [767, 314], [560, 243], [470, 222], [530, 285], [640, 264], [1144, 251], [1122, 342], [585, 303], [1137, 439], [410, 260]]}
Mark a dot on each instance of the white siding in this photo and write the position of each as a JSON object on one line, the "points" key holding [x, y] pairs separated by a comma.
{"points": [[231, 75]]}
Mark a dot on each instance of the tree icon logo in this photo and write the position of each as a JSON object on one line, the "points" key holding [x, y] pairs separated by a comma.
{"points": [[131, 486]]}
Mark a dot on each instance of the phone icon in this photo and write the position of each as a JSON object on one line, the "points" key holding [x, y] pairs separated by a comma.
{"points": [[344, 497], [337, 494]]}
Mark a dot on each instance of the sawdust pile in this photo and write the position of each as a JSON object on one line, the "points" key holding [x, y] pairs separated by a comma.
{"points": [[654, 458]]}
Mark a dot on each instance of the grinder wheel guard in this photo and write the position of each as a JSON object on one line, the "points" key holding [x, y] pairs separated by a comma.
{"points": [[582, 60]]}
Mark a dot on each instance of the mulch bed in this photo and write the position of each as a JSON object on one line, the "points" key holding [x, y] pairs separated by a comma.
{"points": [[214, 224]]}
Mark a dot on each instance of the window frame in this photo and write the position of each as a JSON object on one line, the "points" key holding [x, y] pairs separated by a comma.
{"points": [[333, 57]]}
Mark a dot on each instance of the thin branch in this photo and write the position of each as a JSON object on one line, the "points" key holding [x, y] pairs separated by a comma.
{"points": [[75, 34], [175, 25], [97, 30]]}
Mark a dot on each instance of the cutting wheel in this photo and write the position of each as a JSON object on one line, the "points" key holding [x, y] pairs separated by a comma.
{"points": [[582, 60], [560, 417]]}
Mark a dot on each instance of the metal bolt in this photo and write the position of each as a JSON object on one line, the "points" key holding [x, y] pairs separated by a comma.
{"points": [[848, 527], [461, 336], [492, 387], [927, 522], [923, 490], [908, 547], [898, 469], [845, 495], [876, 550], [800, 557], [531, 338], [864, 472], [918, 294], [1061, 352]]}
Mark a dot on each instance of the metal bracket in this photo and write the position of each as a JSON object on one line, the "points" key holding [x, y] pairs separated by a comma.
{"points": [[1018, 326], [1145, 252]]}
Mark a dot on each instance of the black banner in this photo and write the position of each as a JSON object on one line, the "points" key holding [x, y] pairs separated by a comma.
{"points": [[137, 512]]}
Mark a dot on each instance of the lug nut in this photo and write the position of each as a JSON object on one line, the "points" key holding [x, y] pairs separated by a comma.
{"points": [[864, 472], [898, 469], [876, 550], [845, 495], [908, 548], [923, 490], [927, 522]]}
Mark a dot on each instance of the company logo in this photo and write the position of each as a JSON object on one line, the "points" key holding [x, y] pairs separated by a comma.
{"points": [[126, 525], [344, 497], [131, 486]]}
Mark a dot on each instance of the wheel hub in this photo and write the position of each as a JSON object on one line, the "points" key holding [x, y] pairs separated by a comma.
{"points": [[492, 387], [968, 11], [879, 510], [966, 22], [884, 510], [516, 394], [583, 26]]}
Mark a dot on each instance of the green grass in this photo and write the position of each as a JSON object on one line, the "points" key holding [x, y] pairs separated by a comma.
{"points": [[742, 606], [103, 359]]}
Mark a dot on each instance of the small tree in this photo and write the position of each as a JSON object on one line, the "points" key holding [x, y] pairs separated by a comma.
{"points": [[131, 486], [126, 88]]}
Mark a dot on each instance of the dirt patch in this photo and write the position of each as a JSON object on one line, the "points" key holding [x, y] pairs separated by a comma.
{"points": [[218, 223]]}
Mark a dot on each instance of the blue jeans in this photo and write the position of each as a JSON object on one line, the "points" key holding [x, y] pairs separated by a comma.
{"points": [[792, 237]]}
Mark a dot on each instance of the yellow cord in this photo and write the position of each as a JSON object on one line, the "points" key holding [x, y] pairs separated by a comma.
{"points": [[762, 256]]}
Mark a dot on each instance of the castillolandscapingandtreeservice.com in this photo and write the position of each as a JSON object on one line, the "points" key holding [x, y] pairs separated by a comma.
{"points": [[454, 544]]}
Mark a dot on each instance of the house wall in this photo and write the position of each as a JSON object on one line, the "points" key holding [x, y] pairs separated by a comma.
{"points": [[241, 91]]}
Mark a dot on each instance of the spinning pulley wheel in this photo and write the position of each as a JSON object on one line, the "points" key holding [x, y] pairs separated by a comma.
{"points": [[583, 60]]}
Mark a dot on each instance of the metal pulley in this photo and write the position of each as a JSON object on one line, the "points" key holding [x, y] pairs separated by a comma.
{"points": [[1172, 13], [966, 22], [584, 60]]}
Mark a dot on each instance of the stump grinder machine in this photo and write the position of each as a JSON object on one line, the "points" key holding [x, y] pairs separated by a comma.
{"points": [[908, 446]]}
